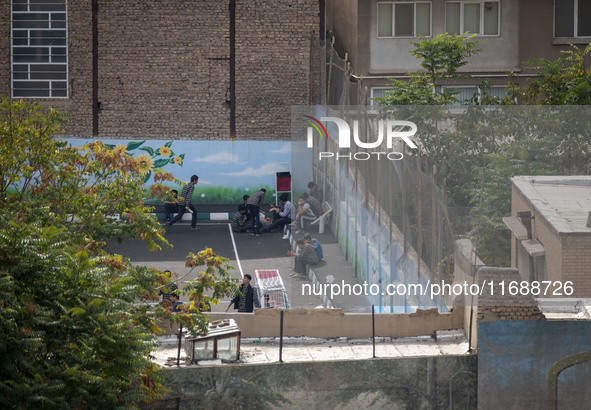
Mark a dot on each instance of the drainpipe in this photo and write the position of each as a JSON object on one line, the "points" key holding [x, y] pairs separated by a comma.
{"points": [[95, 102], [232, 11], [322, 8]]}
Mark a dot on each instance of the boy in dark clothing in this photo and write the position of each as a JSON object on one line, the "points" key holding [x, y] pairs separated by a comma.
{"points": [[171, 205], [254, 203], [315, 191], [174, 299], [186, 205], [317, 247], [247, 298], [241, 222], [306, 256]]}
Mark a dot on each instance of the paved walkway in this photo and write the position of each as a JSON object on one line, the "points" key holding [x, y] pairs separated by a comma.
{"points": [[266, 350]]}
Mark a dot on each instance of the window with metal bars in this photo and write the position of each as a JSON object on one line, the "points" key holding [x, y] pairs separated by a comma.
{"points": [[39, 49]]}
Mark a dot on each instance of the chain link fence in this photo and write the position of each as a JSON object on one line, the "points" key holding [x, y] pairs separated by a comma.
{"points": [[391, 218]]}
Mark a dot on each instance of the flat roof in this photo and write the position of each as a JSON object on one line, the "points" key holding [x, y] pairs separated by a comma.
{"points": [[565, 201]]}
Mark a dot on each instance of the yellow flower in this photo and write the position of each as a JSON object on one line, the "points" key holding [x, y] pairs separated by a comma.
{"points": [[178, 160], [164, 151], [144, 163], [119, 149]]}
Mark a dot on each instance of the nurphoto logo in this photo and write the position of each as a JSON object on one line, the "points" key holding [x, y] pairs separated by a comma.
{"points": [[388, 130]]}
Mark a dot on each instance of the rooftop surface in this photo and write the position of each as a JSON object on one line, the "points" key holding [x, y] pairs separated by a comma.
{"points": [[302, 349], [565, 201]]}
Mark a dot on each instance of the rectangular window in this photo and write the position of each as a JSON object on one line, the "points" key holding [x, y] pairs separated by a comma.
{"points": [[572, 18], [404, 19], [377, 92], [480, 18], [471, 94], [39, 49], [385, 19]]}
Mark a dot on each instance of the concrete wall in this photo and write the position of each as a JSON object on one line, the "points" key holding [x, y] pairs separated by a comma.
{"points": [[537, 30], [495, 301], [536, 33], [342, 17], [466, 265], [164, 68], [331, 323], [417, 383], [391, 55], [516, 360]]}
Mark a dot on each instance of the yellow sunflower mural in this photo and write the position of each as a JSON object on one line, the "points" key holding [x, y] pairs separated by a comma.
{"points": [[119, 149], [164, 151], [145, 164], [152, 158]]}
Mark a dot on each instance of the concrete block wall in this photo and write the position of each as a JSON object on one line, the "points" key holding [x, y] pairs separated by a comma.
{"points": [[401, 383], [164, 67], [334, 323]]}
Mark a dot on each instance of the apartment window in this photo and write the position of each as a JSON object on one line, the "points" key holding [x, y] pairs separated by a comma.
{"points": [[377, 92], [572, 18], [480, 18], [406, 19], [39, 49], [465, 94]]}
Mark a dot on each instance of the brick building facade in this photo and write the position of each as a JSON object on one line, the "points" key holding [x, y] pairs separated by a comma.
{"points": [[180, 69], [551, 238]]}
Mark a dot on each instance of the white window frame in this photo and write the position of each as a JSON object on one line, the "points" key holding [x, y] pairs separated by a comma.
{"points": [[575, 21], [15, 77], [372, 95], [481, 22], [414, 23], [475, 87]]}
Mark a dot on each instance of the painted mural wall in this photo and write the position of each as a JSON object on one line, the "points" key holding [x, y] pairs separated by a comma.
{"points": [[227, 169], [534, 365]]}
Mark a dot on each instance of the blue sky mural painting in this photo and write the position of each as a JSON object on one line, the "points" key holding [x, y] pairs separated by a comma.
{"points": [[227, 170]]}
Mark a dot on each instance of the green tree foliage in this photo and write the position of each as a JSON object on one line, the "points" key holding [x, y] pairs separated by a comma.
{"points": [[75, 328], [441, 58], [564, 81]]}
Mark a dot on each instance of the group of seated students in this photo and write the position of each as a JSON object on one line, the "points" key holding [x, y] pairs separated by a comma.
{"points": [[308, 208], [308, 252]]}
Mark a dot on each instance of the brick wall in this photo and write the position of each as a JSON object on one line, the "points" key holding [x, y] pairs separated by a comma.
{"points": [[273, 40], [576, 263], [543, 232], [5, 48], [567, 256], [164, 69], [497, 302]]}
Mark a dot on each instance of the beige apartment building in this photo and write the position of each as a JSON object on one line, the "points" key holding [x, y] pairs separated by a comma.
{"points": [[375, 36], [550, 227]]}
